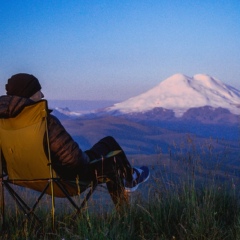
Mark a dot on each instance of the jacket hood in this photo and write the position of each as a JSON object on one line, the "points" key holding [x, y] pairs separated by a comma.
{"points": [[11, 106]]}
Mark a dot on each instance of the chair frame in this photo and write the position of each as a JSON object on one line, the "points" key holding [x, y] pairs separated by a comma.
{"points": [[29, 210]]}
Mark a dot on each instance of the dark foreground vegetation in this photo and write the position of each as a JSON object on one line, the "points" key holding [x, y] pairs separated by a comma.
{"points": [[176, 212]]}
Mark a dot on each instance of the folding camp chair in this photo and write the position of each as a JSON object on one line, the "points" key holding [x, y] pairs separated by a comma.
{"points": [[28, 165]]}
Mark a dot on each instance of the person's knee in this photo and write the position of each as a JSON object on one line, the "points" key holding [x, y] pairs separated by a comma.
{"points": [[108, 144], [109, 140]]}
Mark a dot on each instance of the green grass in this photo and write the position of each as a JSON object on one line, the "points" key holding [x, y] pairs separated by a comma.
{"points": [[178, 212]]}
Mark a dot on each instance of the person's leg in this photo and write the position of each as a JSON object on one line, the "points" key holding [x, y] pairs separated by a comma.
{"points": [[124, 178], [117, 192], [114, 168], [106, 145]]}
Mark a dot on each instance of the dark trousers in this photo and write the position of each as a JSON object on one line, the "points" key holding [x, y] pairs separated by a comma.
{"points": [[114, 168]]}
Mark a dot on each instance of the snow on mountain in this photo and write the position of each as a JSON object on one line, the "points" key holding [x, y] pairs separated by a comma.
{"points": [[66, 111], [180, 93]]}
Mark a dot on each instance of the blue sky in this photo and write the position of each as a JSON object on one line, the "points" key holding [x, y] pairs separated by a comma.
{"points": [[113, 50]]}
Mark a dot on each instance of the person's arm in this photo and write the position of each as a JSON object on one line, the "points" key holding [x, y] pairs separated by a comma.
{"points": [[66, 155]]}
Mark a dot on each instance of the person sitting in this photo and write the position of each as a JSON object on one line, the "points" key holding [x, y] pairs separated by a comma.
{"points": [[68, 159]]}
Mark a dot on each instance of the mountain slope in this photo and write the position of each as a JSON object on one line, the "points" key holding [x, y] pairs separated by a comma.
{"points": [[180, 93]]}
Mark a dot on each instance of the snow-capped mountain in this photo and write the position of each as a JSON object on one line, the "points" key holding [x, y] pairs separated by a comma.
{"points": [[180, 93]]}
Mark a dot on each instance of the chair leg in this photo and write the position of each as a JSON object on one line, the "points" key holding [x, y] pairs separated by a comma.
{"points": [[89, 194], [63, 189], [23, 206], [3, 206]]}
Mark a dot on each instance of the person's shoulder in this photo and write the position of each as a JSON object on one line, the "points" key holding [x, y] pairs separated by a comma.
{"points": [[54, 119]]}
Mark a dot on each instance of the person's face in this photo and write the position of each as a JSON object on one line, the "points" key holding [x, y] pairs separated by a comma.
{"points": [[37, 96]]}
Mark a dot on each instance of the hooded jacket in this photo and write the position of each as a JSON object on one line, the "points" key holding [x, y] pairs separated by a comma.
{"points": [[67, 158]]}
